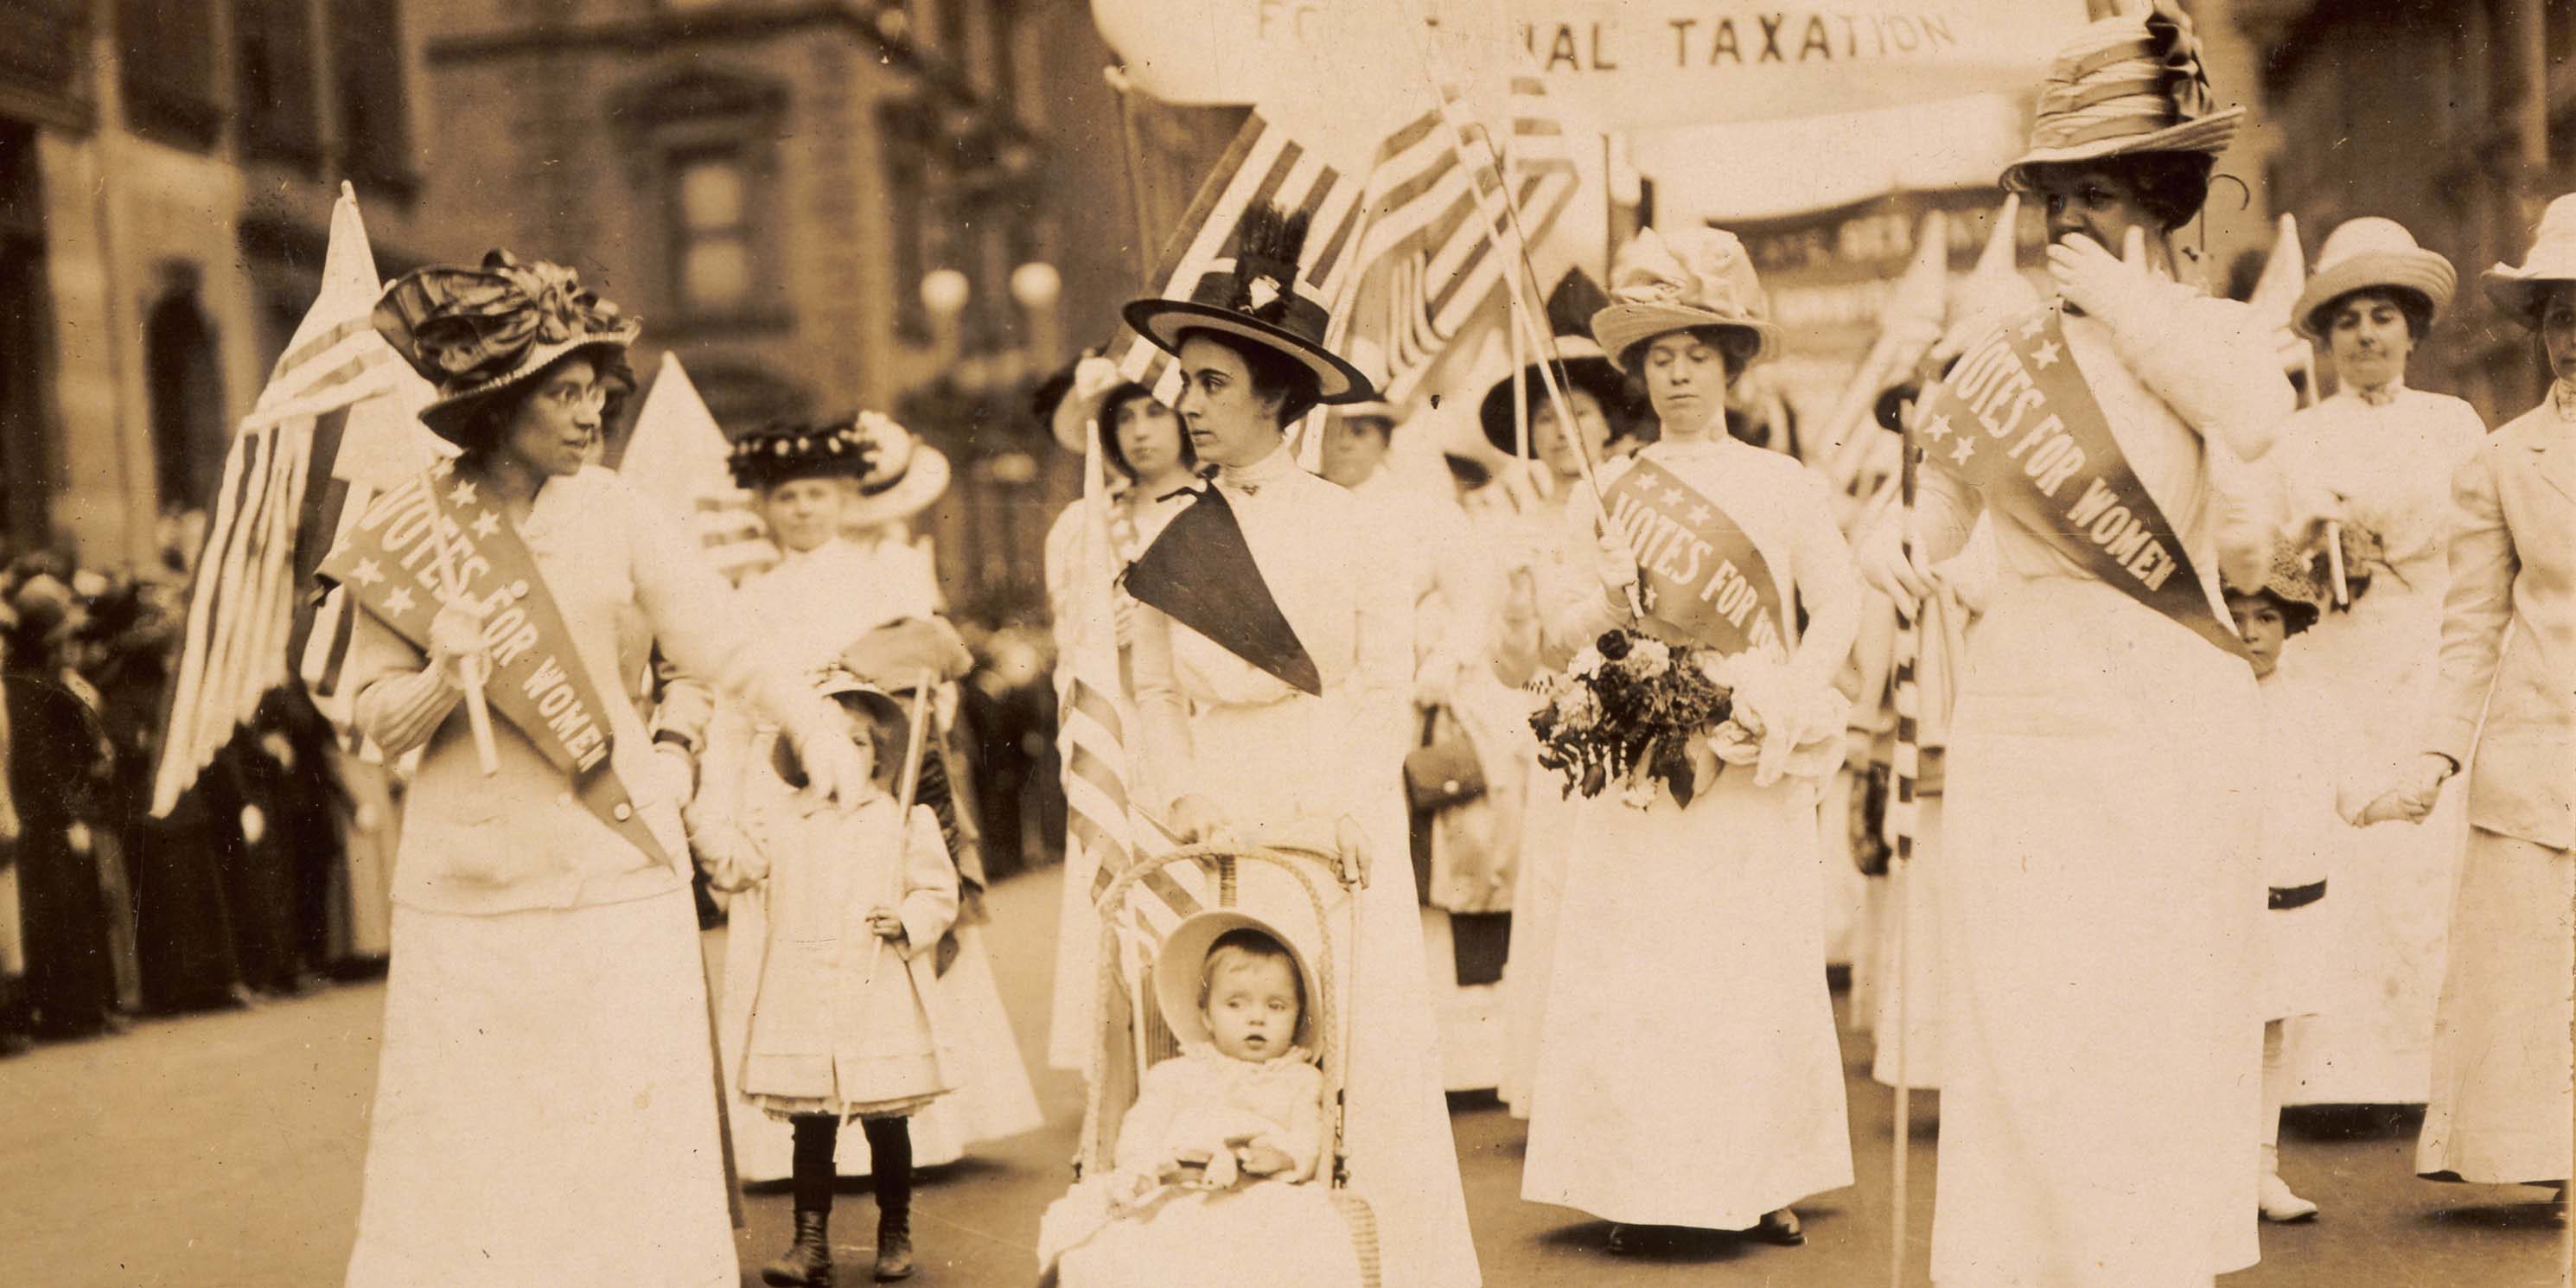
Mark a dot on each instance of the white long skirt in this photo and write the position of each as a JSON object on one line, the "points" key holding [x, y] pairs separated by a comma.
{"points": [[2503, 1109], [2373, 1042], [1076, 991], [997, 1099], [1538, 896], [1690, 1073], [1267, 765], [2100, 1094], [545, 1106]]}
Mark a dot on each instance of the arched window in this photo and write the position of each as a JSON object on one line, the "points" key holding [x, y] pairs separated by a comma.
{"points": [[185, 381]]}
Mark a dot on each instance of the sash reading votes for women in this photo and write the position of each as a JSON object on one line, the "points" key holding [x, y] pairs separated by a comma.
{"points": [[2016, 421], [390, 563], [1704, 576]]}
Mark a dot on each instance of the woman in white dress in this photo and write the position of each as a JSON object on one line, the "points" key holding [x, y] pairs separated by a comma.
{"points": [[2379, 456], [2100, 1050], [1543, 558], [1688, 1072], [1276, 725], [1150, 463], [545, 1108], [2503, 1110]]}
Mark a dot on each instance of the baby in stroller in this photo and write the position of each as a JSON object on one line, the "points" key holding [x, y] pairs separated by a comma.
{"points": [[1214, 1159]]}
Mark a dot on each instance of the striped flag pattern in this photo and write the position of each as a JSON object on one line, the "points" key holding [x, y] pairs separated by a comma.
{"points": [[1439, 245], [1261, 166], [1105, 834], [242, 608]]}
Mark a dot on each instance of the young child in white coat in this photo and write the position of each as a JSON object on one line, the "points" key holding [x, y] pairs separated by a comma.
{"points": [[2317, 773], [846, 1021]]}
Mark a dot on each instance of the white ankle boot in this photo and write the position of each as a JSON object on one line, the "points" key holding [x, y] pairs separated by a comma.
{"points": [[2279, 1204]]}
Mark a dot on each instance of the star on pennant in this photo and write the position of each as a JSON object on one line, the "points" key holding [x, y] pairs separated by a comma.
{"points": [[400, 601], [1937, 428], [462, 493], [1962, 448], [367, 573], [1699, 515], [1672, 496], [486, 524], [2046, 355], [2032, 328]]}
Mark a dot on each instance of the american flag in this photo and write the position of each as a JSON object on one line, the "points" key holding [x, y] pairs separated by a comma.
{"points": [[1441, 242], [1104, 832], [1422, 236], [282, 489]]}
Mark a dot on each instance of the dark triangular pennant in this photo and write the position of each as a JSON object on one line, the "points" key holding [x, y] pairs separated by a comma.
{"points": [[1200, 573], [1571, 305]]}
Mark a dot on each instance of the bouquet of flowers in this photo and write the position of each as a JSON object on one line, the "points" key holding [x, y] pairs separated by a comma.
{"points": [[1631, 712], [1627, 711]]}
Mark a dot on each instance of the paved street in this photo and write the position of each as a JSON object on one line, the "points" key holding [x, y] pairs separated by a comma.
{"points": [[225, 1150]]}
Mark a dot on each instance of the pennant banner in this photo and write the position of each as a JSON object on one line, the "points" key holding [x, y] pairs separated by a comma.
{"points": [[1703, 573], [1200, 572], [392, 560], [2016, 421]]}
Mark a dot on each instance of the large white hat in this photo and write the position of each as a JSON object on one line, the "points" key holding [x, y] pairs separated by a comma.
{"points": [[1181, 962], [1696, 277], [2519, 290], [900, 475], [2371, 252]]}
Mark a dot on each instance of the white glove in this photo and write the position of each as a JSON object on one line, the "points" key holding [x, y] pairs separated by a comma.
{"points": [[832, 770], [456, 636], [1618, 567], [2099, 285]]}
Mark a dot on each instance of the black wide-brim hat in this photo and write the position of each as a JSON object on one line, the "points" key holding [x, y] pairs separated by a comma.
{"points": [[1258, 297], [1580, 364]]}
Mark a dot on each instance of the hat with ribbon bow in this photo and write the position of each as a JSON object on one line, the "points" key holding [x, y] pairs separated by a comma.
{"points": [[1259, 296], [1696, 277], [473, 332], [2520, 290], [2126, 85], [2363, 254]]}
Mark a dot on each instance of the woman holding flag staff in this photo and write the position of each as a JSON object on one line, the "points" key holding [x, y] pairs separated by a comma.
{"points": [[546, 1106], [1688, 1070], [1273, 672], [2101, 1051]]}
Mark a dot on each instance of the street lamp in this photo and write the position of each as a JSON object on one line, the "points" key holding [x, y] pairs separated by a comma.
{"points": [[1036, 286], [943, 297]]}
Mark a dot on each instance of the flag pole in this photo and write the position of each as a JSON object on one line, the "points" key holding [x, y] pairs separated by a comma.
{"points": [[1131, 148], [474, 671], [1902, 811]]}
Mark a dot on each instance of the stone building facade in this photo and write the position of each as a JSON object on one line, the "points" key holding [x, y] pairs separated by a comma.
{"points": [[769, 184], [167, 169]]}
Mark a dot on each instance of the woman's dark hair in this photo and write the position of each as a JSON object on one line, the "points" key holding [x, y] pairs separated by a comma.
{"points": [[2172, 186], [1109, 445], [1274, 374], [482, 425], [1734, 345], [2417, 310]]}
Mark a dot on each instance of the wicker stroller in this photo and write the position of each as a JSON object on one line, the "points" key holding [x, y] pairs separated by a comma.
{"points": [[1171, 907]]}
